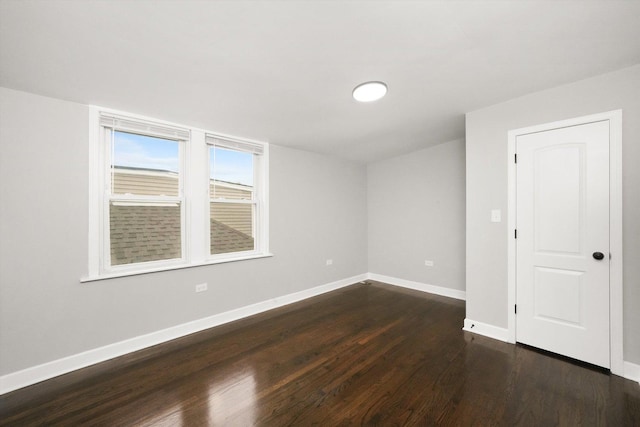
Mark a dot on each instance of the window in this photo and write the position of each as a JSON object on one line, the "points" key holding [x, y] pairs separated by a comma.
{"points": [[158, 190], [234, 197], [145, 200]]}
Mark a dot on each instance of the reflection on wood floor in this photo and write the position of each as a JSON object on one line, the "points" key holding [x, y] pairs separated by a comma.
{"points": [[365, 355]]}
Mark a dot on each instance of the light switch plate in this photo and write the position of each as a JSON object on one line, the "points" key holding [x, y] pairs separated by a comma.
{"points": [[496, 215]]}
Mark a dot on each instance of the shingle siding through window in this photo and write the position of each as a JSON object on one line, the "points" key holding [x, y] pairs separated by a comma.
{"points": [[142, 233]]}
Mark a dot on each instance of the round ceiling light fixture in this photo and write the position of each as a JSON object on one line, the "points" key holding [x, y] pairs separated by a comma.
{"points": [[369, 91]]}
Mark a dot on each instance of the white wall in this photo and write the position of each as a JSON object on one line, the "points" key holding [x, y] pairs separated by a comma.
{"points": [[399, 211], [486, 146], [317, 209], [416, 208]]}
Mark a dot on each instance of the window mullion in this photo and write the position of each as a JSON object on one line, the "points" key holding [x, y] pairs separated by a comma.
{"points": [[195, 188]]}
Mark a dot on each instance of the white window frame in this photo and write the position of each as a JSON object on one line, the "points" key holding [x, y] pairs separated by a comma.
{"points": [[193, 198], [258, 194]]}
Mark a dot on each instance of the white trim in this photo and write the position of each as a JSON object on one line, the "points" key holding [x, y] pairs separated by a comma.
{"points": [[264, 195], [181, 265], [615, 224], [197, 192], [511, 241], [95, 192], [68, 364], [45, 371], [616, 281], [437, 290], [486, 330], [632, 371]]}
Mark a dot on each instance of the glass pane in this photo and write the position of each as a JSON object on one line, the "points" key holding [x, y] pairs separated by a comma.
{"points": [[230, 174], [231, 227], [144, 165], [144, 232]]}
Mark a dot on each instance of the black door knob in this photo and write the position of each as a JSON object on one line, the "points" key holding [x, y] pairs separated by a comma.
{"points": [[598, 255]]}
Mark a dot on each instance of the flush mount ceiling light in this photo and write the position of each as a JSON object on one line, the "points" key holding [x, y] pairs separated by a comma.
{"points": [[369, 91]]}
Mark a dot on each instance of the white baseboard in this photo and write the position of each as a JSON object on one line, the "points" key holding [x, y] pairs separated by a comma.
{"points": [[36, 374], [437, 290], [632, 371], [485, 329]]}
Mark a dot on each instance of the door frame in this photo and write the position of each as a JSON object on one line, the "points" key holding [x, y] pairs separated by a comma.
{"points": [[615, 227]]}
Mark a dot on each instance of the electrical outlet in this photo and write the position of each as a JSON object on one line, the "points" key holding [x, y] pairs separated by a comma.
{"points": [[201, 287], [428, 263], [329, 262]]}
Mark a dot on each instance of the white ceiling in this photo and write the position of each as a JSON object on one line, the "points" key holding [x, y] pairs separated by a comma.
{"points": [[284, 71]]}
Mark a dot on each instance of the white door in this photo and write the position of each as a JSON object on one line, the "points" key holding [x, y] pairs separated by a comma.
{"points": [[562, 243]]}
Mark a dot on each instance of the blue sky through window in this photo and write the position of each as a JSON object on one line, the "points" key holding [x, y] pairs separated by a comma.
{"points": [[146, 152], [231, 166]]}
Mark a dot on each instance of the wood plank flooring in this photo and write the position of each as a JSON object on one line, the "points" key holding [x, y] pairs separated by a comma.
{"points": [[363, 355]]}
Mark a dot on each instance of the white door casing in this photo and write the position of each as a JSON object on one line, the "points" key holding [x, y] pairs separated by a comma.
{"points": [[562, 218], [559, 313]]}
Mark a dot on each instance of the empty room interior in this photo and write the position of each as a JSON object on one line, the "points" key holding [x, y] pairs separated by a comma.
{"points": [[319, 213]]}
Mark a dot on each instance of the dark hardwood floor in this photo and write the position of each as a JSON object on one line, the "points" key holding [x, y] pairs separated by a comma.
{"points": [[363, 355]]}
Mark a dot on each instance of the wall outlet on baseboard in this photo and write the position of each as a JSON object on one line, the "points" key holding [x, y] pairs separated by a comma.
{"points": [[428, 263], [329, 262], [201, 287]]}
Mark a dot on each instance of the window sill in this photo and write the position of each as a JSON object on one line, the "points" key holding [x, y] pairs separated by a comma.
{"points": [[114, 275]]}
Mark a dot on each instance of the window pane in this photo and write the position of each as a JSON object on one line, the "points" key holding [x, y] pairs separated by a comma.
{"points": [[144, 232], [144, 165], [231, 227], [230, 174]]}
